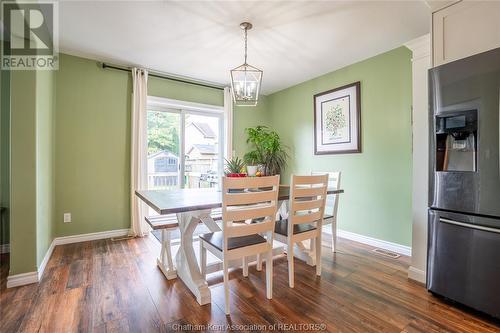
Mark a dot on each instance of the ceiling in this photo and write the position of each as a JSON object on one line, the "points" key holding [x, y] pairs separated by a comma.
{"points": [[291, 41]]}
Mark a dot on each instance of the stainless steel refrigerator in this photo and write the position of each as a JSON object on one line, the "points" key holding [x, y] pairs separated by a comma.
{"points": [[463, 262]]}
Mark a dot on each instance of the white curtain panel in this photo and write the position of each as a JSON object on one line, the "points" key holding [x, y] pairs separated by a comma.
{"points": [[228, 118], [138, 151]]}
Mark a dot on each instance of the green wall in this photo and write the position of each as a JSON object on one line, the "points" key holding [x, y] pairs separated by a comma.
{"points": [[92, 147], [23, 205], [184, 91], [248, 116], [32, 169], [4, 154], [45, 153], [377, 182]]}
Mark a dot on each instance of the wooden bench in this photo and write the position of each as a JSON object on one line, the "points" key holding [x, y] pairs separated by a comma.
{"points": [[168, 223], [162, 222]]}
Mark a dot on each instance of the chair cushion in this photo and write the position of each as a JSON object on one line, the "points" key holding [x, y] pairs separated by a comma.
{"points": [[281, 227], [216, 239]]}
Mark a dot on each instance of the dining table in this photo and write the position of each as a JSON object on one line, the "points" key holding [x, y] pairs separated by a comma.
{"points": [[194, 206]]}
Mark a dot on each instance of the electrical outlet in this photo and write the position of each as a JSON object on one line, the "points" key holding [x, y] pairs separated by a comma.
{"points": [[67, 217]]}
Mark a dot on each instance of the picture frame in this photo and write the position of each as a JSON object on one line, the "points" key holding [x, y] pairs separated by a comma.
{"points": [[337, 120]]}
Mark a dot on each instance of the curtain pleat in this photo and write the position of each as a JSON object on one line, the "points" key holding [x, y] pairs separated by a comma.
{"points": [[138, 151]]}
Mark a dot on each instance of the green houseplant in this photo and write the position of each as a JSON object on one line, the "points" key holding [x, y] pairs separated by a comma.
{"points": [[253, 160], [267, 150], [234, 167]]}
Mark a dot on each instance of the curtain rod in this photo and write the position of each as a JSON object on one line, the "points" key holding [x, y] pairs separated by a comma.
{"points": [[164, 76]]}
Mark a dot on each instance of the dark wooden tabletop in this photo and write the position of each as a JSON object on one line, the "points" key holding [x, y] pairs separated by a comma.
{"points": [[186, 200]]}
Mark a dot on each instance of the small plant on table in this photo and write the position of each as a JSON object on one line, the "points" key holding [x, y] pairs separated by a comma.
{"points": [[235, 167]]}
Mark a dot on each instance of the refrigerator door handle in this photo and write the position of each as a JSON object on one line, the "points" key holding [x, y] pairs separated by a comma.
{"points": [[467, 225]]}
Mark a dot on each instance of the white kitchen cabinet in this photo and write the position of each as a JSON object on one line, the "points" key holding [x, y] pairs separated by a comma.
{"points": [[463, 29]]}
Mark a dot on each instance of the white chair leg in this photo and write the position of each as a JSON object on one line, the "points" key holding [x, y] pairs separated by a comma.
{"points": [[289, 254], [312, 251], [334, 233], [245, 266], [203, 260], [269, 275], [226, 285], [318, 254], [259, 262]]}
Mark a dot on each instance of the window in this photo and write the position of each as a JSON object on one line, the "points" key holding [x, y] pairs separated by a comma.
{"points": [[185, 144], [163, 150]]}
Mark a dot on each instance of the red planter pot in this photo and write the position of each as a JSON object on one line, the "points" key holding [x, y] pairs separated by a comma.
{"points": [[236, 175]]}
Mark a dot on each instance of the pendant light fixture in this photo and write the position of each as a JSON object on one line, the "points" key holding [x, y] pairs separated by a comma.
{"points": [[246, 79]]}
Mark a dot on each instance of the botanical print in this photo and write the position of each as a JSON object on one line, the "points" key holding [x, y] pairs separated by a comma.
{"points": [[335, 121]]}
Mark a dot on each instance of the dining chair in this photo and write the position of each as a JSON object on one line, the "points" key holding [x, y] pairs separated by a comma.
{"points": [[249, 207], [332, 202], [305, 218]]}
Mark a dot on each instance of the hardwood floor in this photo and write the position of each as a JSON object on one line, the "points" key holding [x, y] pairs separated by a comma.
{"points": [[115, 286]]}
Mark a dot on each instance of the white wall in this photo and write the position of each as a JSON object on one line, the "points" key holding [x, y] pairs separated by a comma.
{"points": [[421, 62]]}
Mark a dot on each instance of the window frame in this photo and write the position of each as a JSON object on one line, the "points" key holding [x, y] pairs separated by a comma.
{"points": [[162, 104]]}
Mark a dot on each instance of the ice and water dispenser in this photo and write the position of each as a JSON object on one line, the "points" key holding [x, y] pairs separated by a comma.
{"points": [[456, 141]]}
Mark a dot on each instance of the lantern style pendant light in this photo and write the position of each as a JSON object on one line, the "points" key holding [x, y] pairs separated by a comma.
{"points": [[246, 79]]}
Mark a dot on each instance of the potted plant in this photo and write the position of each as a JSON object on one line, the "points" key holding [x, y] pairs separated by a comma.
{"points": [[235, 167], [268, 150], [253, 161]]}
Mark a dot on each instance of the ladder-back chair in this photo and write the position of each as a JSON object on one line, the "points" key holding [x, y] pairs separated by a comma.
{"points": [[249, 208], [305, 218]]}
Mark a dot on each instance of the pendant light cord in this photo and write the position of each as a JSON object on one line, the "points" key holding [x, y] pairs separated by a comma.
{"points": [[246, 29]]}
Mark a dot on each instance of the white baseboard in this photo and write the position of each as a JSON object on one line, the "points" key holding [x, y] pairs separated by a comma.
{"points": [[394, 247], [45, 260], [4, 248], [90, 237], [417, 275], [34, 277], [22, 279]]}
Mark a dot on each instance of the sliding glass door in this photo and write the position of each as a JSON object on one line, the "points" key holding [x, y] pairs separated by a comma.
{"points": [[202, 144], [164, 129], [185, 148]]}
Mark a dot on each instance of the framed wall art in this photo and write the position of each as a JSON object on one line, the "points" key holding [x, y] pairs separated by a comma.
{"points": [[337, 120]]}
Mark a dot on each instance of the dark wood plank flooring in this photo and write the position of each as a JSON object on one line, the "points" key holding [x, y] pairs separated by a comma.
{"points": [[115, 286]]}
